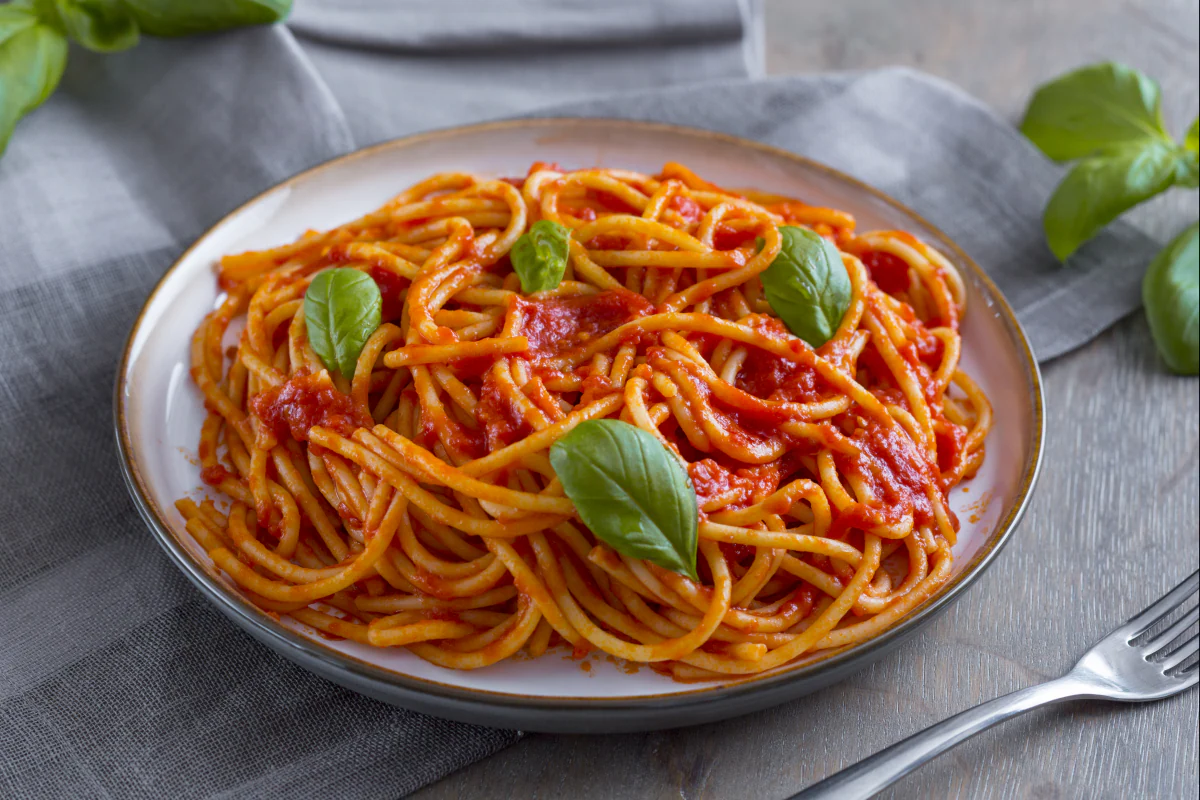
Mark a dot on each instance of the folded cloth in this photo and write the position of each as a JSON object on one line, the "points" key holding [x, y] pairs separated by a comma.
{"points": [[117, 679], [507, 58]]}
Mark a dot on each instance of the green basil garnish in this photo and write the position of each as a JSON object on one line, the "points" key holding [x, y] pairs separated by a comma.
{"points": [[176, 18], [807, 285], [631, 492], [342, 308], [1098, 189], [539, 257], [1093, 108], [1191, 141], [1110, 116], [99, 25], [32, 57], [1171, 294]]}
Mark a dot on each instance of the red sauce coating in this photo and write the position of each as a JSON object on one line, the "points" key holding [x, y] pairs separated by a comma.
{"points": [[688, 208], [499, 417], [889, 272], [308, 399], [950, 444], [728, 238], [712, 478], [214, 475], [391, 288], [896, 471], [557, 324], [736, 553], [770, 377]]}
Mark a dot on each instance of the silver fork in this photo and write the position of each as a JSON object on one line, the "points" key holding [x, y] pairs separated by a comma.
{"points": [[1114, 669]]}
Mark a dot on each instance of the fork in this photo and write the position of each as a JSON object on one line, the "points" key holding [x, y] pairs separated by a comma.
{"points": [[1114, 669]]}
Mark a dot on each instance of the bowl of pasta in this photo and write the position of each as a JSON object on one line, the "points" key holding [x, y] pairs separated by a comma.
{"points": [[578, 425]]}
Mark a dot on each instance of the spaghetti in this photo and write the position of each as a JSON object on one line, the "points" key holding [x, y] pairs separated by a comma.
{"points": [[414, 504]]}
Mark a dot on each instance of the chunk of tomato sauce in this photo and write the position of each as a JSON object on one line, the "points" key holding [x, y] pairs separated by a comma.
{"points": [[305, 401], [557, 324], [889, 272], [688, 208], [771, 377], [713, 477], [897, 472], [213, 475], [951, 441], [392, 288], [726, 237], [499, 417]]}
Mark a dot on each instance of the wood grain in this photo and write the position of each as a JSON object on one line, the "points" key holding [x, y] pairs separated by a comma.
{"points": [[1114, 521]]}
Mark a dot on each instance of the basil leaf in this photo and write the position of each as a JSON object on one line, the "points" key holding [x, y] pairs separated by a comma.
{"points": [[32, 57], [1096, 107], [185, 17], [342, 308], [14, 19], [1171, 294], [1098, 189], [539, 257], [103, 26], [1189, 172], [807, 285], [631, 492]]}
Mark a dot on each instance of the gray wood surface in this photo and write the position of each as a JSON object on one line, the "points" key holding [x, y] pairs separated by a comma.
{"points": [[1112, 526]]}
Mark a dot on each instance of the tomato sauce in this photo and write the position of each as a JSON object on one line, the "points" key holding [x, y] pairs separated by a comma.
{"points": [[714, 476], [950, 444], [305, 401], [392, 288], [726, 237], [688, 208], [557, 324], [889, 272], [897, 472], [770, 377], [501, 420], [214, 475]]}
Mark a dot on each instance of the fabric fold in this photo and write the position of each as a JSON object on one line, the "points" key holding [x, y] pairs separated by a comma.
{"points": [[472, 25]]}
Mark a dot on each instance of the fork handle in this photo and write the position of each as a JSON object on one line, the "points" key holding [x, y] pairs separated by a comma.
{"points": [[877, 772]]}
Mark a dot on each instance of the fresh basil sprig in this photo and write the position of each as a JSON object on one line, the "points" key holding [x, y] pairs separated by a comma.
{"points": [[807, 285], [1094, 108], [1171, 294], [34, 35], [631, 492], [1110, 116], [539, 256], [342, 308], [1101, 187]]}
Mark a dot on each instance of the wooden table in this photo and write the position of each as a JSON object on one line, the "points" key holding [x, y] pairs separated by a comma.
{"points": [[1113, 523]]}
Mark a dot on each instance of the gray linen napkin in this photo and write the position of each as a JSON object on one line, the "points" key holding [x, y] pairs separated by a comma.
{"points": [[117, 678]]}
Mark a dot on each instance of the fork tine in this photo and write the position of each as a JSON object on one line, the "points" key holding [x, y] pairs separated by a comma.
{"points": [[1185, 651], [1166, 637], [1172, 600]]}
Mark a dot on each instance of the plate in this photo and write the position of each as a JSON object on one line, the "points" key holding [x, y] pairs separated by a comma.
{"points": [[159, 412]]}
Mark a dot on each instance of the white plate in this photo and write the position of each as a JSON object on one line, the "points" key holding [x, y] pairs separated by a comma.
{"points": [[159, 412]]}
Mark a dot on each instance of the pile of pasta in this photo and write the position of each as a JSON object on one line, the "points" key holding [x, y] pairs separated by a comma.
{"points": [[413, 504]]}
